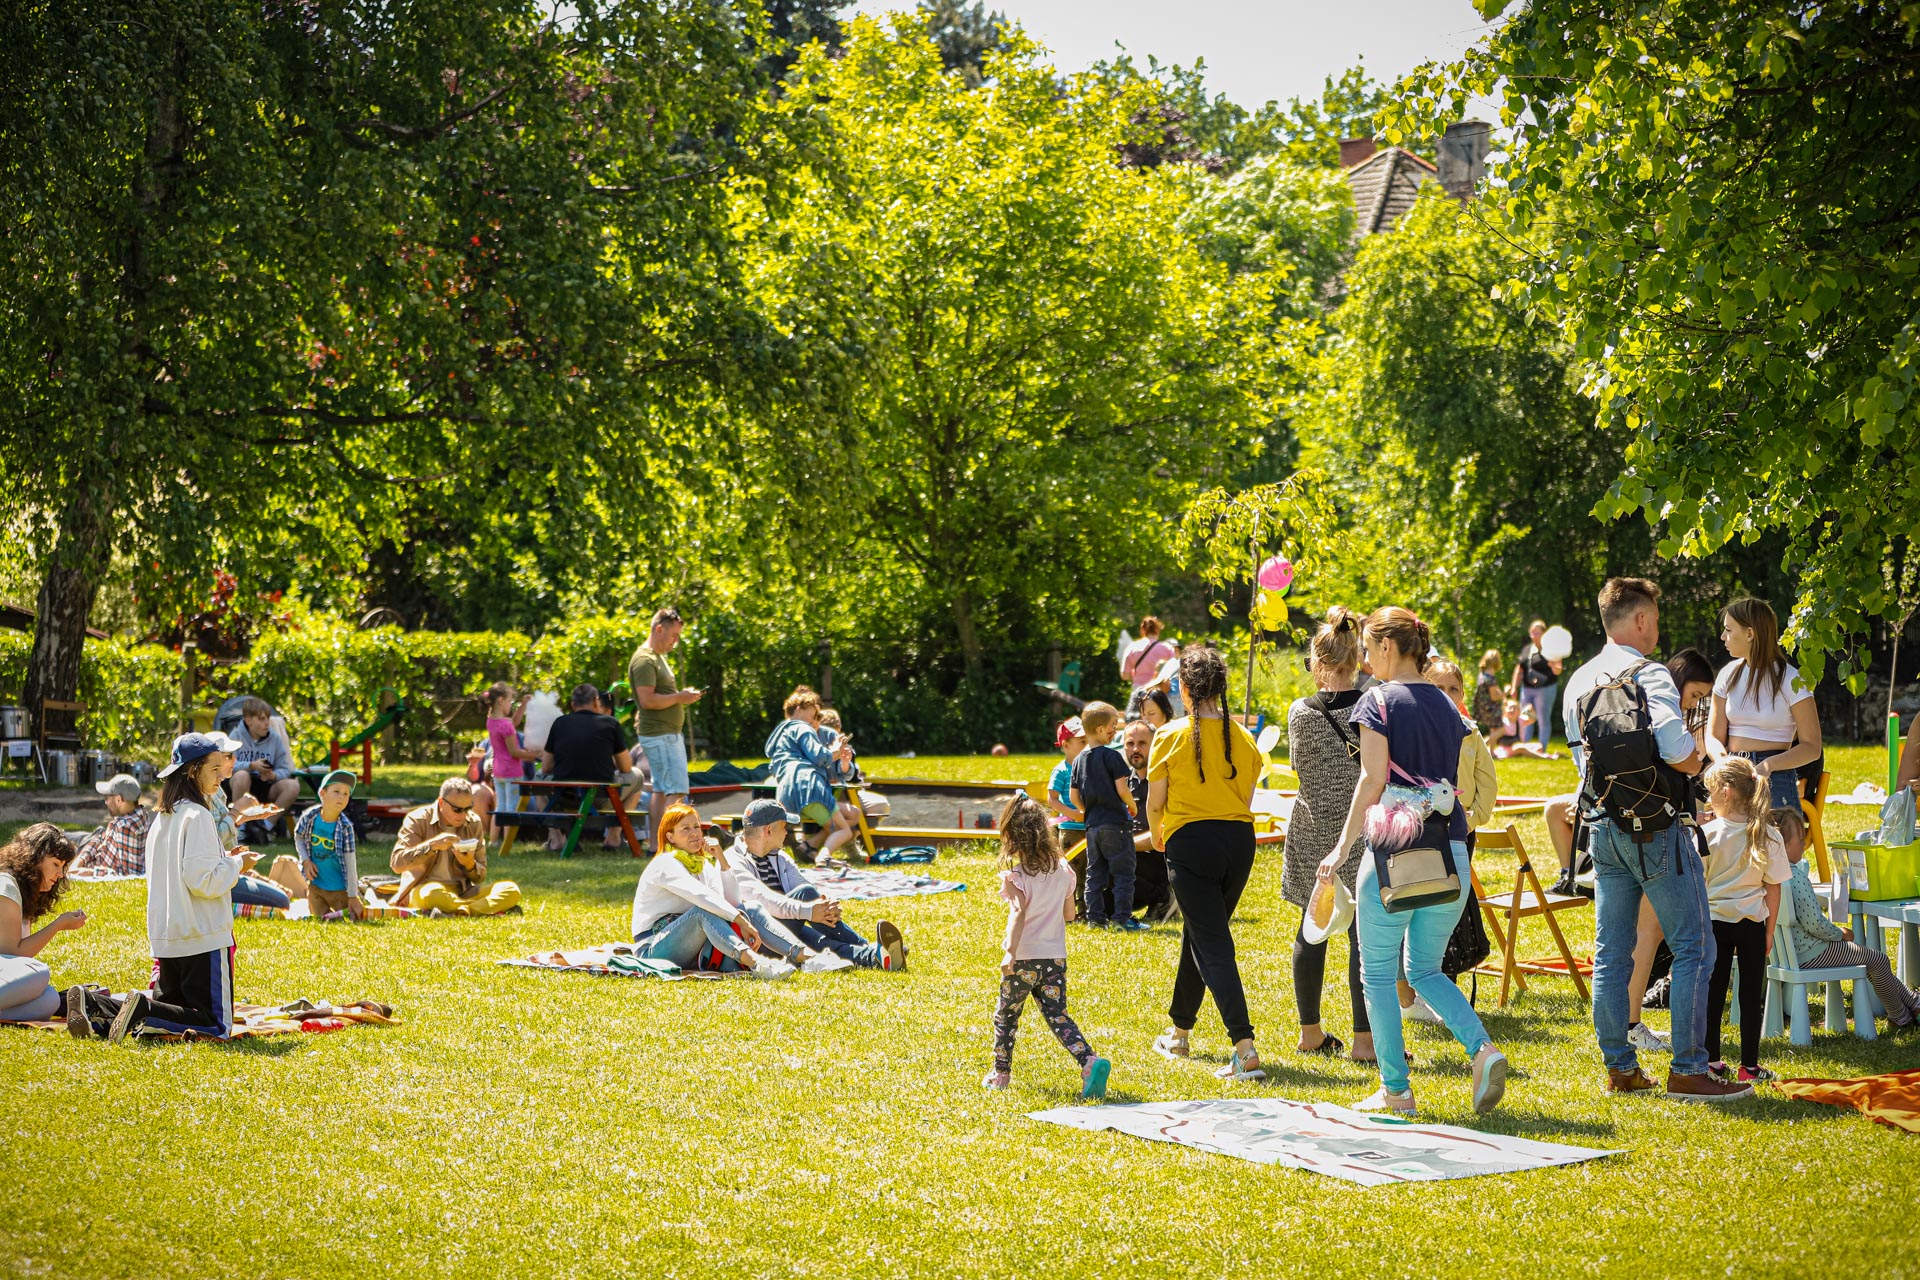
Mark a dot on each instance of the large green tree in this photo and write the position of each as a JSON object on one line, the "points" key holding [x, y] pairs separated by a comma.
{"points": [[1040, 360], [1451, 422], [306, 266], [1735, 255]]}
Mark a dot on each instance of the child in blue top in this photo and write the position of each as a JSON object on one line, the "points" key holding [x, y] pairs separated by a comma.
{"points": [[1067, 816], [324, 841], [1101, 790]]}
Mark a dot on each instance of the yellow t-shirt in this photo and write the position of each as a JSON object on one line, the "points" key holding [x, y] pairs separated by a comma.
{"points": [[1219, 797]]}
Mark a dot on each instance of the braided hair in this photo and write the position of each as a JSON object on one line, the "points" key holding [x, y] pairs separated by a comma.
{"points": [[1203, 678]]}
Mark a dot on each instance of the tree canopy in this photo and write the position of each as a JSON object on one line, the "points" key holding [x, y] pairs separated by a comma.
{"points": [[1046, 358], [1733, 259]]}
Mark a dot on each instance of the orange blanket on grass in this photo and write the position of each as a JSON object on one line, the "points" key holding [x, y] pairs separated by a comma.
{"points": [[1892, 1099]]}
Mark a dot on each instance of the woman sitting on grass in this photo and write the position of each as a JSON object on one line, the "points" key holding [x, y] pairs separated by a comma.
{"points": [[33, 875], [687, 909], [803, 770]]}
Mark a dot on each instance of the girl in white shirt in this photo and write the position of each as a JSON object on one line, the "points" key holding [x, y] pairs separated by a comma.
{"points": [[1761, 708], [1746, 865], [1037, 884]]}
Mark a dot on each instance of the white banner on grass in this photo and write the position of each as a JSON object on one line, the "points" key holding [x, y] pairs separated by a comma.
{"points": [[1324, 1138]]}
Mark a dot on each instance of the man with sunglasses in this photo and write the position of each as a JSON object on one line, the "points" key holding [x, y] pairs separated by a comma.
{"points": [[442, 861]]}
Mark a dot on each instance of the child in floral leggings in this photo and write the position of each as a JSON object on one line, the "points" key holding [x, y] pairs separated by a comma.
{"points": [[1038, 886]]}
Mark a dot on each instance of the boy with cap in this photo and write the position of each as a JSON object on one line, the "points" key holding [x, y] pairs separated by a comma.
{"points": [[766, 875], [325, 843], [1068, 816], [120, 847]]}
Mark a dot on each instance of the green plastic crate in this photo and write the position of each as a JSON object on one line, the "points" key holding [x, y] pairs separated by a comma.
{"points": [[1878, 872]]}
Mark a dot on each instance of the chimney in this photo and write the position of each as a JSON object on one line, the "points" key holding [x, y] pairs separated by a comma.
{"points": [[1354, 150], [1462, 157]]}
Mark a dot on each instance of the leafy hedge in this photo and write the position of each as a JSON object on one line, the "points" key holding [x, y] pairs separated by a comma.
{"points": [[132, 691], [325, 676]]}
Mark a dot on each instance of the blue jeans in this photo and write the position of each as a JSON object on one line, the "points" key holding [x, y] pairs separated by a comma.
{"points": [[1420, 936], [682, 939], [1784, 783], [1666, 871], [1111, 860], [837, 938], [248, 891], [1541, 700], [667, 756], [26, 995]]}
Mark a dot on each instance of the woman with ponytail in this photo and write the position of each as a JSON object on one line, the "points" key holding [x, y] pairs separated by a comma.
{"points": [[1324, 750], [1200, 779], [1412, 731]]}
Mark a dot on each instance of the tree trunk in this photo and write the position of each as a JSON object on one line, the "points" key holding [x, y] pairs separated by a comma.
{"points": [[963, 627], [66, 599]]}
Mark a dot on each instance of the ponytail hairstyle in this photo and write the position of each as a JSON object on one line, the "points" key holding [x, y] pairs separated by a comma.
{"points": [[1027, 841], [1410, 636], [1336, 645], [1766, 666], [1203, 678], [1752, 801]]}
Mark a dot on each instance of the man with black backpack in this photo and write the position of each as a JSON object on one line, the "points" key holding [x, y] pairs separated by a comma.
{"points": [[1635, 754]]}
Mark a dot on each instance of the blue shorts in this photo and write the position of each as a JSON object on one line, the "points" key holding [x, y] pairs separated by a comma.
{"points": [[667, 757]]}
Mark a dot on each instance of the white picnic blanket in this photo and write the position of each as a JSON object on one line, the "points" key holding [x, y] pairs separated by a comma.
{"points": [[861, 884], [1324, 1138]]}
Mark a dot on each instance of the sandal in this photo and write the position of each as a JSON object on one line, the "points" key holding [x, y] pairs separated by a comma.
{"points": [[1171, 1044], [1242, 1067], [1330, 1046]]}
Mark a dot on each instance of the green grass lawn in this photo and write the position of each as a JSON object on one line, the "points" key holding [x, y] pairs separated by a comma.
{"points": [[527, 1124]]}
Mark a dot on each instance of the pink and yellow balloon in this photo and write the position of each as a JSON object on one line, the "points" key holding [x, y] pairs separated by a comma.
{"points": [[1275, 580]]}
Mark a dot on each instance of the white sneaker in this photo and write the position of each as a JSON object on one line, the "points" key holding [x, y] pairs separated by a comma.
{"points": [[772, 969], [1418, 1011], [826, 962], [1647, 1040], [1400, 1104]]}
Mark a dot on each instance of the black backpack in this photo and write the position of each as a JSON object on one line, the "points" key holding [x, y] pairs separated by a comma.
{"points": [[1626, 778]]}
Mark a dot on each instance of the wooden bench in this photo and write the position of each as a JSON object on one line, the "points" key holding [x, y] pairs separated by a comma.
{"points": [[585, 819]]}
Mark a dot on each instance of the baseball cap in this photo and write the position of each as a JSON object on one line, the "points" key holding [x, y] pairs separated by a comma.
{"points": [[124, 785], [189, 747], [338, 775], [1069, 730], [764, 813]]}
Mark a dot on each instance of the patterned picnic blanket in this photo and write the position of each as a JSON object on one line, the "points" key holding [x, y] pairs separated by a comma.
{"points": [[251, 1021], [91, 875], [858, 884], [609, 960]]}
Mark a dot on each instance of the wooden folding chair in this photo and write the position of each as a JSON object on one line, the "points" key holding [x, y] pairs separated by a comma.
{"points": [[1505, 911]]}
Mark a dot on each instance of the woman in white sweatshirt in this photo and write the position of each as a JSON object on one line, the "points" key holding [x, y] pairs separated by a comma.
{"points": [[190, 882], [687, 908]]}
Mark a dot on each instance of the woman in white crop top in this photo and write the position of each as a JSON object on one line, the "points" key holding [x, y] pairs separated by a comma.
{"points": [[1761, 708]]}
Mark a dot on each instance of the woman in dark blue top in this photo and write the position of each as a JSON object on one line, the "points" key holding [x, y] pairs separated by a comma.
{"points": [[1409, 729]]}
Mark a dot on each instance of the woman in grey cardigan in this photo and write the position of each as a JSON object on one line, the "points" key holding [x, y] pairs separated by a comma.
{"points": [[1325, 753]]}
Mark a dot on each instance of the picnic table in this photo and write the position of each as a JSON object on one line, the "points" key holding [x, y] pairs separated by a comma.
{"points": [[577, 822]]}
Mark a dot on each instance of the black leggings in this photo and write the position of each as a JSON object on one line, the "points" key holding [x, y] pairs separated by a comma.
{"points": [[1209, 863], [1310, 977], [1747, 941]]}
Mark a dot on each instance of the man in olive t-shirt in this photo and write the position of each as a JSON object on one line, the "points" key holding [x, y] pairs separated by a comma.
{"points": [[660, 713]]}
